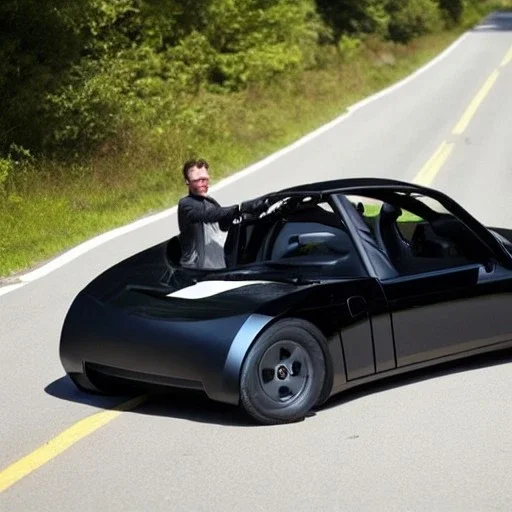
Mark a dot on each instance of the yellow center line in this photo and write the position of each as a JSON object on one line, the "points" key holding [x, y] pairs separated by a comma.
{"points": [[431, 168], [507, 58], [62, 442], [473, 106]]}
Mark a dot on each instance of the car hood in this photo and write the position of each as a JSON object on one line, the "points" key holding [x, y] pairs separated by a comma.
{"points": [[209, 300]]}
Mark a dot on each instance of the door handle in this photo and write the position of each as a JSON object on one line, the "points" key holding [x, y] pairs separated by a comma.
{"points": [[357, 306]]}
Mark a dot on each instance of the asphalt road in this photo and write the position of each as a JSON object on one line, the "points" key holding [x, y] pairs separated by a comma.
{"points": [[440, 440]]}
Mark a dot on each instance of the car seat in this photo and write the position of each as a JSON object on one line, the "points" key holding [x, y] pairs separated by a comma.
{"points": [[389, 237]]}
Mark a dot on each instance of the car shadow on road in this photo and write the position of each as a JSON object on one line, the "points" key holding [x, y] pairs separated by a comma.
{"points": [[64, 389], [433, 372], [195, 406], [183, 404]]}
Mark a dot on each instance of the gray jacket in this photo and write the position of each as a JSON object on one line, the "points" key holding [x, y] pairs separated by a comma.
{"points": [[202, 222]]}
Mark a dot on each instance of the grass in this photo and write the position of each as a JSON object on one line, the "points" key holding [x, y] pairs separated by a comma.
{"points": [[371, 210], [52, 207]]}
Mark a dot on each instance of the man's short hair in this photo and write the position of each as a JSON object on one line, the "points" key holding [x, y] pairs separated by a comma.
{"points": [[200, 163]]}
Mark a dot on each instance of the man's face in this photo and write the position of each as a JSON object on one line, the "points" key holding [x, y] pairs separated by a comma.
{"points": [[198, 181]]}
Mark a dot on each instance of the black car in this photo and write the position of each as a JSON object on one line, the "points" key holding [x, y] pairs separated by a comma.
{"points": [[336, 284]]}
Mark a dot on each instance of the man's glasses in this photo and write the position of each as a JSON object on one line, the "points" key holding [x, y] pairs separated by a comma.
{"points": [[200, 180]]}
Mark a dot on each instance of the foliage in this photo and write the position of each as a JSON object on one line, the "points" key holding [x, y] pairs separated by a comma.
{"points": [[95, 70], [18, 160], [78, 78], [349, 46], [354, 16], [256, 39], [5, 169], [413, 18], [36, 47], [452, 9]]}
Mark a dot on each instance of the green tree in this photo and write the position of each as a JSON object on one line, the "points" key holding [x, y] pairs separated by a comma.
{"points": [[354, 16], [453, 9], [256, 39], [77, 74], [36, 47], [413, 18]]}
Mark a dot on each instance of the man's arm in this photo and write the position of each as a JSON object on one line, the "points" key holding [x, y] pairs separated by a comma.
{"points": [[194, 210]]}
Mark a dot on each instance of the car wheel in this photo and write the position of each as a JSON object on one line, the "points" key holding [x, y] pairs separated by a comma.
{"points": [[284, 372]]}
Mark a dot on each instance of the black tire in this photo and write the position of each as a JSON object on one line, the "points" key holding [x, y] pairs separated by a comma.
{"points": [[284, 373]]}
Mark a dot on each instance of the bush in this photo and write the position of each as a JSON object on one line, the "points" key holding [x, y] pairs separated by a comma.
{"points": [[36, 48], [379, 19], [413, 18], [138, 64], [453, 10], [18, 162], [5, 169], [349, 47], [255, 40]]}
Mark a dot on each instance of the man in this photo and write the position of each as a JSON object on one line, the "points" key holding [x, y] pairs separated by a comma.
{"points": [[203, 222]]}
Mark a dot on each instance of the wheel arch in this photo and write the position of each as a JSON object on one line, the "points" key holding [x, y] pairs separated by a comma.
{"points": [[252, 329]]}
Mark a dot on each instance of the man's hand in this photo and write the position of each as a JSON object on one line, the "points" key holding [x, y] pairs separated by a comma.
{"points": [[254, 207], [279, 206]]}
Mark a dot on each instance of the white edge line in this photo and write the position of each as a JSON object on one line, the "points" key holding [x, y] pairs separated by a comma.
{"points": [[109, 235], [10, 288], [91, 244]]}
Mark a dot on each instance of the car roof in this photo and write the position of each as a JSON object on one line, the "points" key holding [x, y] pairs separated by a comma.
{"points": [[375, 185], [347, 184]]}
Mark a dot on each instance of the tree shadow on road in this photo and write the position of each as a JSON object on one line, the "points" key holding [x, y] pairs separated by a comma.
{"points": [[499, 21], [197, 407]]}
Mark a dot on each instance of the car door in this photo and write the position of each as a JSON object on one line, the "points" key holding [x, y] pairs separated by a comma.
{"points": [[448, 294], [441, 313], [366, 336], [357, 299]]}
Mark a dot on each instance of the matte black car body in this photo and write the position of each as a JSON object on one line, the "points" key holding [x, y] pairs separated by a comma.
{"points": [[387, 296]]}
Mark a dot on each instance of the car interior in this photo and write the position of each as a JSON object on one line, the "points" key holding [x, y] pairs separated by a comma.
{"points": [[307, 233], [435, 242]]}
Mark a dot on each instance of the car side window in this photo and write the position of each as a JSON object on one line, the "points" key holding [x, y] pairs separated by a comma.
{"points": [[312, 237], [414, 243]]}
